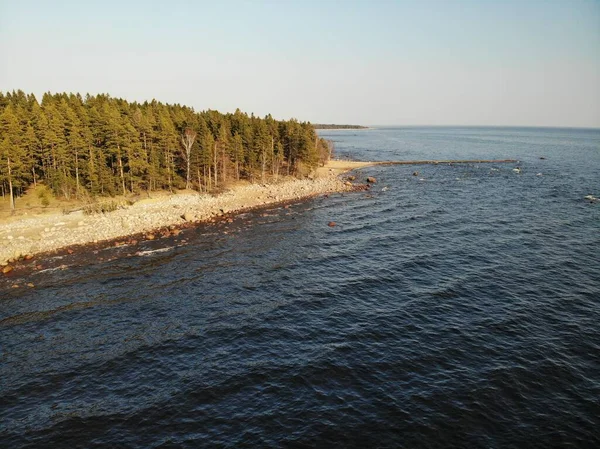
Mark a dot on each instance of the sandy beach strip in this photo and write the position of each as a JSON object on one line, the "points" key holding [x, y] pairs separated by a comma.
{"points": [[32, 235]]}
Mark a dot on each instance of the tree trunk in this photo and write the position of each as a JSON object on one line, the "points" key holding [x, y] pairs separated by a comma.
{"points": [[122, 175], [76, 174], [129, 159], [53, 157], [263, 157], [91, 164], [187, 180], [223, 173], [215, 152], [10, 187], [168, 161]]}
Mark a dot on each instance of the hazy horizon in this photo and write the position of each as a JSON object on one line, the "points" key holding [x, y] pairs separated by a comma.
{"points": [[461, 63]]}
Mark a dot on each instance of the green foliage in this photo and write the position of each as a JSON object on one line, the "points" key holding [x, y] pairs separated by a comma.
{"points": [[104, 207], [43, 194], [106, 146]]}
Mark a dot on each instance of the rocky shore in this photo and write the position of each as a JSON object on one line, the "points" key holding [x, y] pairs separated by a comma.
{"points": [[27, 237]]}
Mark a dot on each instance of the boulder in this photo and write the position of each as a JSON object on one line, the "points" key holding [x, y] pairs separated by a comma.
{"points": [[351, 178], [415, 173], [331, 224], [371, 180], [7, 269], [188, 216]]}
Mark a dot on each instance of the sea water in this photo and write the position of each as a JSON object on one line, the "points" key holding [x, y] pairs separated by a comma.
{"points": [[451, 305]]}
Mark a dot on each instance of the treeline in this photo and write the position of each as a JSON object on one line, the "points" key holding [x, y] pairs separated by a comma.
{"points": [[104, 146], [332, 126]]}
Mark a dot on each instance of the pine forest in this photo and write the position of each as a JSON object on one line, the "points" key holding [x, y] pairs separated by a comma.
{"points": [[85, 147]]}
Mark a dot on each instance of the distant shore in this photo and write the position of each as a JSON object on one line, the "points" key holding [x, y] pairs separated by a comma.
{"points": [[329, 127], [31, 235]]}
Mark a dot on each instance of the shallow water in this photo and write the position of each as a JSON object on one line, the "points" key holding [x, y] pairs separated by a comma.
{"points": [[458, 307]]}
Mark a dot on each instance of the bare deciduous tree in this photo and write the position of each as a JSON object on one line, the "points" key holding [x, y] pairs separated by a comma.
{"points": [[187, 139]]}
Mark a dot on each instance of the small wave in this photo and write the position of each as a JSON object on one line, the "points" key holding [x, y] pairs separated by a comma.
{"points": [[51, 270], [149, 252]]}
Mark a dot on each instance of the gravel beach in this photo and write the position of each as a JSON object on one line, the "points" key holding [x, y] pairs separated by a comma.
{"points": [[42, 233]]}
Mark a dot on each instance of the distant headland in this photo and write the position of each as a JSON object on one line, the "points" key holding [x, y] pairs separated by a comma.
{"points": [[332, 126]]}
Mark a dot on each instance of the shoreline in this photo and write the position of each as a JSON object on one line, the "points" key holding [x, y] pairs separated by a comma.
{"points": [[28, 237], [25, 238]]}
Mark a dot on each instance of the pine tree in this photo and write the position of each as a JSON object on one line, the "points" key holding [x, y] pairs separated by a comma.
{"points": [[104, 145], [11, 153]]}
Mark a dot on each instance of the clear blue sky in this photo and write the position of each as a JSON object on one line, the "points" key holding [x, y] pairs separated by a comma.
{"points": [[530, 63]]}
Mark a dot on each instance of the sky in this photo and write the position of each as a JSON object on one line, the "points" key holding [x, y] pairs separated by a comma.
{"points": [[482, 63]]}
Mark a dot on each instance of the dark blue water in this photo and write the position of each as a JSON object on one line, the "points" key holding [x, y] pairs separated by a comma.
{"points": [[456, 308]]}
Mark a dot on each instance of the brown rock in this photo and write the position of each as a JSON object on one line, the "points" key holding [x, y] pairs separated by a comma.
{"points": [[30, 285], [28, 257], [7, 269], [371, 180], [351, 178], [150, 237], [176, 232], [331, 224], [15, 286]]}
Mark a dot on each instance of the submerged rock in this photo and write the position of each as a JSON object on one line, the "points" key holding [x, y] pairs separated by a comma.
{"points": [[331, 224]]}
